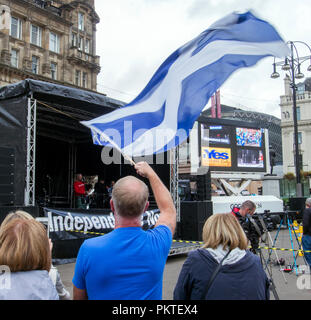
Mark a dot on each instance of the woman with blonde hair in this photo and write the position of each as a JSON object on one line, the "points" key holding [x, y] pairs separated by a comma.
{"points": [[53, 273], [25, 251], [222, 269]]}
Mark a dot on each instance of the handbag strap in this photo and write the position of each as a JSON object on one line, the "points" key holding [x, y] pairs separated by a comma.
{"points": [[213, 276]]}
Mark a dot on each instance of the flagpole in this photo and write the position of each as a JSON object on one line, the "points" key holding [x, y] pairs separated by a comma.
{"points": [[117, 147], [128, 158]]}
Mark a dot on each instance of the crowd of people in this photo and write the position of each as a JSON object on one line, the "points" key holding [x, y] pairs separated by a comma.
{"points": [[128, 263]]}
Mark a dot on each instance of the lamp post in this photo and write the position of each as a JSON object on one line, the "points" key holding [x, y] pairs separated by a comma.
{"points": [[292, 65]]}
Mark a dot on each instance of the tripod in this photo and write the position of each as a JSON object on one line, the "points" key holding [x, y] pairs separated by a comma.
{"points": [[264, 262], [289, 225], [272, 285], [257, 250]]}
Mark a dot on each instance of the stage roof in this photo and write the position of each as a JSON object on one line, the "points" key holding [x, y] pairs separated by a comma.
{"points": [[59, 108]]}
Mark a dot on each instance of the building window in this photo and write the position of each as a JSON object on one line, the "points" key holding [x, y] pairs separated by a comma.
{"points": [[81, 21], [54, 42], [299, 137], [298, 113], [53, 70], [84, 80], [73, 39], [35, 65], [16, 28], [78, 78], [300, 88], [35, 35], [87, 46], [14, 58], [80, 43]]}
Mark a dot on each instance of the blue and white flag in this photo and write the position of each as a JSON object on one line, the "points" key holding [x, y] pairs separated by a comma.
{"points": [[163, 114]]}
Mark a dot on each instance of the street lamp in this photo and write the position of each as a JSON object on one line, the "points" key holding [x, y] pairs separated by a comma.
{"points": [[292, 64]]}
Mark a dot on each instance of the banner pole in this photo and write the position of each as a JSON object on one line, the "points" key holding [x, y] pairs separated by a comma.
{"points": [[116, 146]]}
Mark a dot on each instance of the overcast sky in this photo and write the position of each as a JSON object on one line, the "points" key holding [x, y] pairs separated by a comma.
{"points": [[135, 36]]}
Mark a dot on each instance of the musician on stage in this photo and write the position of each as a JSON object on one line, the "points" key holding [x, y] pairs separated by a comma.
{"points": [[101, 192], [79, 190]]}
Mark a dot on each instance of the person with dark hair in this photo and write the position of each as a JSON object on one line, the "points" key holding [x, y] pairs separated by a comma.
{"points": [[111, 188], [128, 262], [251, 228], [79, 192], [247, 207], [101, 192]]}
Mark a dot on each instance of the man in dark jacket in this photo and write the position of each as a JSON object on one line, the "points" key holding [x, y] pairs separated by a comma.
{"points": [[251, 228], [101, 192], [306, 238]]}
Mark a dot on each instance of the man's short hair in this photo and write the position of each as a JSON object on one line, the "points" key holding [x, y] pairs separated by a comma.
{"points": [[248, 204], [308, 202], [130, 196]]}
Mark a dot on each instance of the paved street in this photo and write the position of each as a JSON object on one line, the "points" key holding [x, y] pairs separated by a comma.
{"points": [[286, 283]]}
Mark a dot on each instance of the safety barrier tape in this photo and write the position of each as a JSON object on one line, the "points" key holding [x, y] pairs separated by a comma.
{"points": [[200, 242], [284, 249], [186, 241], [87, 232]]}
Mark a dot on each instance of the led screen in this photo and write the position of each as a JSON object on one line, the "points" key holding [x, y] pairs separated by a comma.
{"points": [[215, 135], [216, 157], [250, 158], [248, 137], [231, 147]]}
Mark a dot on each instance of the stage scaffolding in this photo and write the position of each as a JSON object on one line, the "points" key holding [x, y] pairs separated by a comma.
{"points": [[174, 160], [31, 153]]}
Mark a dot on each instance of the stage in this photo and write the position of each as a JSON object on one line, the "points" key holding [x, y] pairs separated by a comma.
{"points": [[43, 144]]}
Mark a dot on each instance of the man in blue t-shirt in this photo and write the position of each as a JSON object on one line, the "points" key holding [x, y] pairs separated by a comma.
{"points": [[128, 263]]}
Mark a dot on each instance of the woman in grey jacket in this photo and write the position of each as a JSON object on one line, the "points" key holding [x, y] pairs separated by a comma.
{"points": [[54, 274], [25, 252], [241, 275]]}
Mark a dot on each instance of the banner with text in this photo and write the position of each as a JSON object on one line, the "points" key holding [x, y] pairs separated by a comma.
{"points": [[65, 225]]}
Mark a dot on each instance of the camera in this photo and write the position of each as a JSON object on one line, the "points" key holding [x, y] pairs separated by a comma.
{"points": [[255, 226]]}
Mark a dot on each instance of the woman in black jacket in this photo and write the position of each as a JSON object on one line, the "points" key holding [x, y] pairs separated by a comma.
{"points": [[241, 275]]}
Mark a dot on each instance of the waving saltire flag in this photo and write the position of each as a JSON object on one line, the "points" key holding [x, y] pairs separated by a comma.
{"points": [[163, 114]]}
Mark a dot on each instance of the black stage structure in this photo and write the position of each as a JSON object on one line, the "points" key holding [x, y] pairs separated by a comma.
{"points": [[43, 144]]}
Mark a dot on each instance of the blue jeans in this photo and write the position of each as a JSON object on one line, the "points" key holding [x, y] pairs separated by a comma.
{"points": [[306, 244]]}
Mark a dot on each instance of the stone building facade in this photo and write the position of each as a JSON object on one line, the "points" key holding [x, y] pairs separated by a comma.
{"points": [[51, 41], [303, 103]]}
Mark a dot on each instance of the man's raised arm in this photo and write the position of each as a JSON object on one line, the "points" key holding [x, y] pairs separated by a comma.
{"points": [[162, 196]]}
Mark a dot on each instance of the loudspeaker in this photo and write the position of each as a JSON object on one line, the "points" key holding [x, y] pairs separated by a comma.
{"points": [[4, 211], [297, 204], [7, 168], [204, 186], [193, 215]]}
